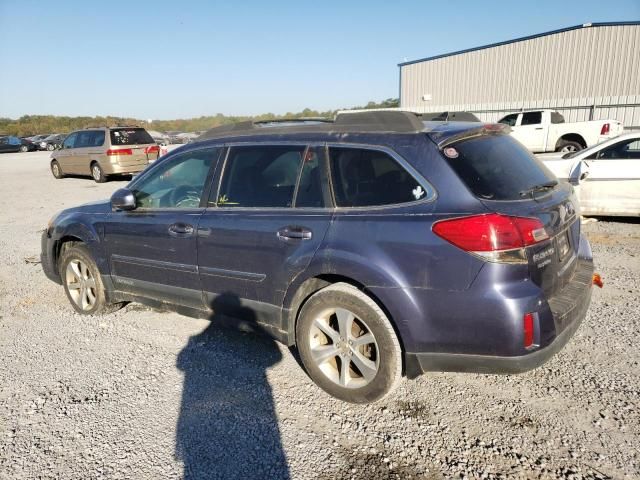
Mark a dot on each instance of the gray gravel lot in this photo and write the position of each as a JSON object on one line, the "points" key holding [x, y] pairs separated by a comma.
{"points": [[143, 394]]}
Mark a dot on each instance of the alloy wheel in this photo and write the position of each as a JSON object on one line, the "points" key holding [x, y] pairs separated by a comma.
{"points": [[344, 348], [81, 284]]}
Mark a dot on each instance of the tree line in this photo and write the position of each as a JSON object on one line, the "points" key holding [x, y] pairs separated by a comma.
{"points": [[40, 124]]}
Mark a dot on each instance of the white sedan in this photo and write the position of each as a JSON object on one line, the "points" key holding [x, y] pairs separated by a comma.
{"points": [[606, 175]]}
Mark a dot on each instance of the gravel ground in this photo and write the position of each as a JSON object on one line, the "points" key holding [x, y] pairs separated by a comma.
{"points": [[143, 394]]}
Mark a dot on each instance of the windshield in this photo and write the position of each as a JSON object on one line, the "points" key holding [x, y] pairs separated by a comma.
{"points": [[496, 167], [130, 136]]}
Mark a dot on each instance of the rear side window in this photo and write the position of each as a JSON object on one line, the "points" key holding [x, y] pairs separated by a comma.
{"points": [[556, 118], [531, 118], [363, 178], [496, 167], [90, 138], [130, 136], [260, 176]]}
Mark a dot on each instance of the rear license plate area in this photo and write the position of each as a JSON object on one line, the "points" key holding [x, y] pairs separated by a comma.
{"points": [[564, 246]]}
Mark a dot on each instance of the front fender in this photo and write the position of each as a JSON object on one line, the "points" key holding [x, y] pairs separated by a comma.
{"points": [[84, 230]]}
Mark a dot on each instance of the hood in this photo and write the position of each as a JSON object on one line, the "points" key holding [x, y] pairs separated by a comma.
{"points": [[100, 206]]}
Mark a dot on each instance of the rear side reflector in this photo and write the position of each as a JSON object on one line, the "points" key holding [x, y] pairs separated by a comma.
{"points": [[597, 280], [528, 329], [491, 233], [605, 129], [119, 151]]}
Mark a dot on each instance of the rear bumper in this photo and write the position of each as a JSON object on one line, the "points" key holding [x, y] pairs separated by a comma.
{"points": [[558, 319], [117, 169]]}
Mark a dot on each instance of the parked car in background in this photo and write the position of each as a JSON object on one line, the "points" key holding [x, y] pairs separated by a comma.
{"points": [[52, 142], [607, 175], [38, 138], [9, 143], [377, 244], [104, 151], [546, 131]]}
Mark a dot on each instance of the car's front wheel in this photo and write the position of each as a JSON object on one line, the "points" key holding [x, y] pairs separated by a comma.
{"points": [[24, 148], [82, 282], [348, 345], [56, 170], [51, 147]]}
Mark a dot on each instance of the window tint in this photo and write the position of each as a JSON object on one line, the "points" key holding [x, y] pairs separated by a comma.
{"points": [[84, 139], [311, 180], [69, 142], [260, 176], [628, 149], [556, 118], [176, 183], [363, 178], [531, 118], [130, 136], [496, 167], [509, 119]]}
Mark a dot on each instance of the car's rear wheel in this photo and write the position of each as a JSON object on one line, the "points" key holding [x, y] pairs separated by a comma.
{"points": [[567, 146], [97, 173], [24, 148], [56, 170], [82, 282], [348, 345]]}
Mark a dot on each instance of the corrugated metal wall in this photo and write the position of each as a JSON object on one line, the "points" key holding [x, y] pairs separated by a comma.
{"points": [[570, 71]]}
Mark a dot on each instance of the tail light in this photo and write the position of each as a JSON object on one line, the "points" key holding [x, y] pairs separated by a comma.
{"points": [[605, 129], [119, 151], [494, 237], [152, 149], [528, 329]]}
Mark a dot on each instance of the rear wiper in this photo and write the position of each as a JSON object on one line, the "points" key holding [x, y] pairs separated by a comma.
{"points": [[539, 188]]}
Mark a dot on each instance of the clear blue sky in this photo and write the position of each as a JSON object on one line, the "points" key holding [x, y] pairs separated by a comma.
{"points": [[181, 59]]}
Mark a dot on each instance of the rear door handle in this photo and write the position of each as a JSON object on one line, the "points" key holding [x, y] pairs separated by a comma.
{"points": [[181, 230], [294, 233], [539, 128]]}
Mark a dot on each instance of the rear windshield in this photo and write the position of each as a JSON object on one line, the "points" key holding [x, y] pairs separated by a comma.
{"points": [[496, 167], [130, 136]]}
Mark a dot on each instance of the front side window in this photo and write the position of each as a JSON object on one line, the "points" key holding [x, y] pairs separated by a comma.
{"points": [[176, 183], [629, 149], [84, 139], [531, 118], [363, 178], [509, 120], [260, 176], [70, 141]]}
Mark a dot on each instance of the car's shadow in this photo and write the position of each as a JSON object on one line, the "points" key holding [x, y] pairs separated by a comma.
{"points": [[228, 427]]}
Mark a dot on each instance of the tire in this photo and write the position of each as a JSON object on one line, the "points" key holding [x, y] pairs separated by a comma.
{"points": [[77, 269], [567, 146], [56, 170], [97, 174], [24, 148], [330, 352], [51, 147]]}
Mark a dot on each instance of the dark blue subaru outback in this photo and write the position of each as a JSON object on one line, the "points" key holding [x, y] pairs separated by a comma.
{"points": [[378, 245]]}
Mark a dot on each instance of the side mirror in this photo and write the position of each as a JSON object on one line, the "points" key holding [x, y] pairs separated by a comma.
{"points": [[579, 173], [123, 199]]}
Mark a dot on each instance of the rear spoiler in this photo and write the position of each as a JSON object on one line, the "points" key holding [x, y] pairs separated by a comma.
{"points": [[444, 137]]}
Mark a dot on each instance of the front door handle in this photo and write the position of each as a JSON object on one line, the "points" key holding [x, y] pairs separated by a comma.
{"points": [[181, 230], [294, 233]]}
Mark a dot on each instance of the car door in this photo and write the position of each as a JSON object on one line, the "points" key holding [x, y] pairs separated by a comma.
{"points": [[4, 144], [613, 184], [65, 156], [80, 154], [152, 249], [530, 131], [262, 228]]}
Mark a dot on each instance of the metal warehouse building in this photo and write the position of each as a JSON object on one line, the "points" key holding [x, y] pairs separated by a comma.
{"points": [[587, 72]]}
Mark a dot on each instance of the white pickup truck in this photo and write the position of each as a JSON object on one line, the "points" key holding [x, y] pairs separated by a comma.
{"points": [[546, 131]]}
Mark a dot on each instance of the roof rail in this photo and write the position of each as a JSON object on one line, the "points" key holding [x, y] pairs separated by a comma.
{"points": [[359, 122]]}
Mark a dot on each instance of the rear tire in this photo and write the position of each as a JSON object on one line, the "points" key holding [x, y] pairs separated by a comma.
{"points": [[56, 170], [567, 146], [83, 284], [347, 345], [97, 173]]}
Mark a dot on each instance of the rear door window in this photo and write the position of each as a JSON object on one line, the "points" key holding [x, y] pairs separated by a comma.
{"points": [[531, 118], [496, 167], [366, 177], [260, 176], [509, 120], [130, 136]]}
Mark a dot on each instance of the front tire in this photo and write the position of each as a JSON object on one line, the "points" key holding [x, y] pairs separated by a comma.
{"points": [[83, 284], [97, 173], [56, 170], [348, 345], [24, 148], [51, 147]]}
